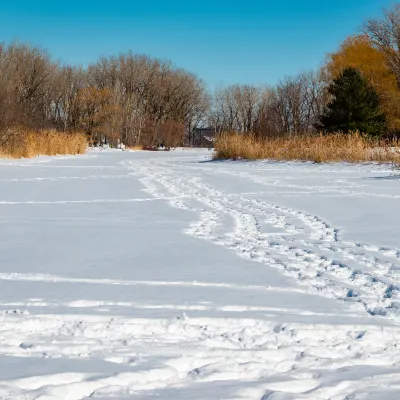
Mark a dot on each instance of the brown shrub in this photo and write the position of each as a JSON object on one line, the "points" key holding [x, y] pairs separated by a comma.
{"points": [[168, 133], [331, 148], [22, 143]]}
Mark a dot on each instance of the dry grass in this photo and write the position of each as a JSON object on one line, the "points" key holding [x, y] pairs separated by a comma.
{"points": [[331, 148], [21, 143], [136, 147]]}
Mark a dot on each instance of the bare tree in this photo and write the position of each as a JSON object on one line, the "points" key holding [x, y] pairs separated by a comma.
{"points": [[26, 99], [236, 108], [292, 107], [298, 103], [146, 93], [385, 34]]}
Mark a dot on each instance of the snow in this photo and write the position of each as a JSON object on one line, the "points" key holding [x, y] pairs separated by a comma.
{"points": [[138, 275]]}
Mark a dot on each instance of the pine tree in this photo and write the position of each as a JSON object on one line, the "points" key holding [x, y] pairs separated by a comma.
{"points": [[355, 106]]}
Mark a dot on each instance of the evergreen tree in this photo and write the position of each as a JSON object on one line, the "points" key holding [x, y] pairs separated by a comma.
{"points": [[354, 106]]}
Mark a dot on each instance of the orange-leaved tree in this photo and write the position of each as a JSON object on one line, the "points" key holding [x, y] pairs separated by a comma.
{"points": [[359, 52]]}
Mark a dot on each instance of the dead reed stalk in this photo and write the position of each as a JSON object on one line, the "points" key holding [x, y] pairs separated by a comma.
{"points": [[323, 148], [22, 143]]}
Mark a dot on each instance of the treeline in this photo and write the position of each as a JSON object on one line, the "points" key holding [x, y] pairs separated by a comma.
{"points": [[132, 99], [139, 100], [357, 88], [292, 107]]}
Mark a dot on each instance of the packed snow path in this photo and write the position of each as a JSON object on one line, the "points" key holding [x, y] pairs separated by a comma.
{"points": [[134, 275]]}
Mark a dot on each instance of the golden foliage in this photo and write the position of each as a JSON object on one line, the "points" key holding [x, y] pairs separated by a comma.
{"points": [[22, 143], [332, 148], [358, 52]]}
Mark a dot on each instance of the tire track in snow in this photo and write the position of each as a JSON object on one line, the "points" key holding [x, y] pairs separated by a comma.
{"points": [[338, 271], [383, 251]]}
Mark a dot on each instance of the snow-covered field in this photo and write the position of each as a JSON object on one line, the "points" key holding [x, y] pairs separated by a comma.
{"points": [[134, 275]]}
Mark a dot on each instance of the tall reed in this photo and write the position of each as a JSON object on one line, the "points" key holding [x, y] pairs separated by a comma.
{"points": [[323, 148], [23, 143]]}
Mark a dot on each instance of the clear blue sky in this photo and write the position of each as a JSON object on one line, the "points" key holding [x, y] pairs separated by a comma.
{"points": [[235, 41]]}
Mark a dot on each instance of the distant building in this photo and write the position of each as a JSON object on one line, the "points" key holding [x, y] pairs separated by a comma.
{"points": [[203, 137]]}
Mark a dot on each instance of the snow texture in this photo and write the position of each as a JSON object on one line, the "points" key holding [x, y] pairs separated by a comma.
{"points": [[140, 275]]}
